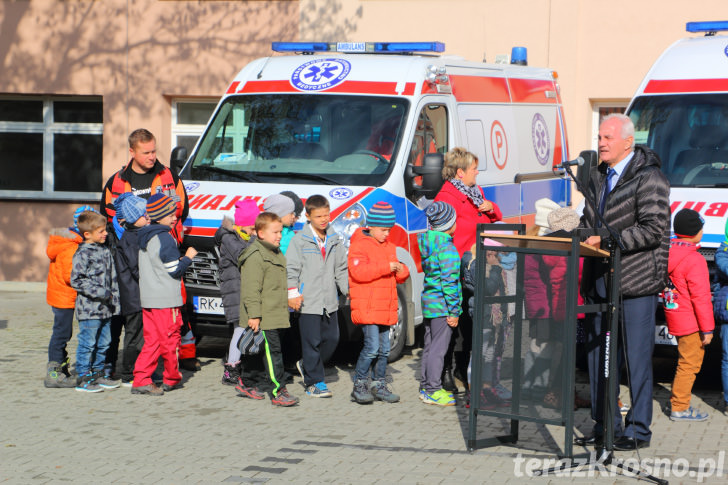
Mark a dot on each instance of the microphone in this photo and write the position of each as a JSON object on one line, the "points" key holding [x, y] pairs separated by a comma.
{"points": [[579, 161]]}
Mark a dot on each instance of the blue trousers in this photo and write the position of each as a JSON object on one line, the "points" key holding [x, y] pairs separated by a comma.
{"points": [[375, 350], [319, 338], [94, 337], [638, 339], [62, 332]]}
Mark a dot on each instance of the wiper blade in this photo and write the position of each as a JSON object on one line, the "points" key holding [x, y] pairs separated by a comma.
{"points": [[310, 176], [239, 175]]}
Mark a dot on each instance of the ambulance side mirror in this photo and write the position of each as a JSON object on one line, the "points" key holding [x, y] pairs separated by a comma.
{"points": [[177, 159], [431, 172], [590, 162]]}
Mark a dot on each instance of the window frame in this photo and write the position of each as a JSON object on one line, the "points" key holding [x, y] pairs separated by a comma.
{"points": [[598, 108], [183, 129], [48, 128]]}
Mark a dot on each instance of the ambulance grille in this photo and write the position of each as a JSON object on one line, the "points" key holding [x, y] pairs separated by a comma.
{"points": [[203, 271]]}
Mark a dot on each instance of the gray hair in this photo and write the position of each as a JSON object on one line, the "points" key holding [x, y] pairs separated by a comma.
{"points": [[627, 125]]}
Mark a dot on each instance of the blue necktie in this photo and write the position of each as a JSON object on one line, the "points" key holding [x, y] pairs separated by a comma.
{"points": [[607, 188]]}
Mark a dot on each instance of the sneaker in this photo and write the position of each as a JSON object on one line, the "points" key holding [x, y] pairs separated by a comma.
{"points": [[502, 392], [249, 392], [56, 378], [490, 400], [361, 393], [107, 382], [690, 414], [284, 399], [231, 375], [87, 383], [67, 369], [127, 383], [422, 394], [299, 367], [381, 392], [151, 390], [171, 387], [191, 365], [439, 398], [318, 390]]}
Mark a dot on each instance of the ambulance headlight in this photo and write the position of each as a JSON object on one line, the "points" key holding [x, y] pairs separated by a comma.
{"points": [[349, 221]]}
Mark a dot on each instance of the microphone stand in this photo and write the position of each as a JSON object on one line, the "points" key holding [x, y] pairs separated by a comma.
{"points": [[605, 456]]}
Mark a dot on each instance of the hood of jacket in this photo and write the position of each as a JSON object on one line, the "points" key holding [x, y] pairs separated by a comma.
{"points": [[226, 227], [60, 239], [430, 240], [146, 233]]}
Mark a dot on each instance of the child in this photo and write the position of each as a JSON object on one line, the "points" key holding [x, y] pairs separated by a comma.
{"points": [[441, 299], [374, 272], [160, 288], [688, 311], [316, 267], [284, 207], [94, 278], [62, 244], [131, 212], [232, 238], [263, 302]]}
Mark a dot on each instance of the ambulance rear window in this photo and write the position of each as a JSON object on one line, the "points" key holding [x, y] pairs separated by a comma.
{"points": [[690, 134], [301, 139]]}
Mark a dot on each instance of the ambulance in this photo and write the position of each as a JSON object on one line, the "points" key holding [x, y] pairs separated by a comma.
{"points": [[366, 122], [680, 110]]}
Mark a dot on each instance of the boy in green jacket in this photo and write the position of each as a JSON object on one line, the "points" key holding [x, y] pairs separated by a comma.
{"points": [[264, 302]]}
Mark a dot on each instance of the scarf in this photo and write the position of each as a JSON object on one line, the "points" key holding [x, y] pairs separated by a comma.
{"points": [[473, 192]]}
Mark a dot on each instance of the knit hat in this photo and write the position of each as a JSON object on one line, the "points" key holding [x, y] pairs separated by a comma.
{"points": [[160, 206], [246, 211], [279, 204], [297, 202], [129, 207], [77, 213], [441, 216], [563, 219], [543, 209], [381, 215], [687, 223]]}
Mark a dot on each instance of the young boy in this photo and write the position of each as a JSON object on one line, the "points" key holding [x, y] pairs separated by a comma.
{"points": [[62, 245], [316, 267], [160, 275], [131, 212], [441, 299], [264, 305], [688, 311], [374, 272], [94, 278], [232, 238], [285, 208]]}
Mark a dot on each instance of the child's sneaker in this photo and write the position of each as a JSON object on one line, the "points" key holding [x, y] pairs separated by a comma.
{"points": [[151, 390], [56, 378], [690, 414], [125, 383], [249, 392], [284, 399], [361, 393], [490, 400], [439, 398], [87, 383], [107, 382], [422, 394], [318, 390], [502, 392], [381, 392], [231, 375]]}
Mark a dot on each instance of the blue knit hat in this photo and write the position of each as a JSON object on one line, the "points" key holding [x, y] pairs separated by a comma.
{"points": [[77, 213], [441, 216], [381, 215], [129, 207]]}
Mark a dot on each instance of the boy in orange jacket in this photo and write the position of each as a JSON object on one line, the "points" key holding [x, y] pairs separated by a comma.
{"points": [[374, 273]]}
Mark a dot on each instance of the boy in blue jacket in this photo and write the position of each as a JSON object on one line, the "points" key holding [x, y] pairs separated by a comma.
{"points": [[441, 299]]}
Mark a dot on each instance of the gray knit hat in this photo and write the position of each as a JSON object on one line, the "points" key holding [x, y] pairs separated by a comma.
{"points": [[441, 216], [563, 219], [279, 204]]}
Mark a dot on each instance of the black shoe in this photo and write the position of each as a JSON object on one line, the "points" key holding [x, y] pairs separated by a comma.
{"points": [[627, 443], [448, 383], [593, 440]]}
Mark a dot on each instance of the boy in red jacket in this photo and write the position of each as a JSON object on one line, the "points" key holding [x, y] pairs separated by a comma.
{"points": [[688, 311], [374, 273]]}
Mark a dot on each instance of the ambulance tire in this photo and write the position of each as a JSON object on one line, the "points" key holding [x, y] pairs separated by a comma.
{"points": [[398, 331]]}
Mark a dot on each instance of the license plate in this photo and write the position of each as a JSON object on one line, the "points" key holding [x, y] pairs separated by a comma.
{"points": [[208, 304], [663, 337]]}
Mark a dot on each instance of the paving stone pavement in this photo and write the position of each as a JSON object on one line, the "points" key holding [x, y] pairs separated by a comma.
{"points": [[204, 433]]}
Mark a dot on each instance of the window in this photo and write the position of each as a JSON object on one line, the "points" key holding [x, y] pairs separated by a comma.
{"points": [[189, 119], [51, 147], [599, 111]]}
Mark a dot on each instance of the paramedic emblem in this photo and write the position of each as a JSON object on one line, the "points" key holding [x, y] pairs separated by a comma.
{"points": [[320, 74], [725, 51], [191, 186], [540, 138], [340, 193]]}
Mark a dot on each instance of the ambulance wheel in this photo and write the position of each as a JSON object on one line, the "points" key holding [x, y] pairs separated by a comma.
{"points": [[398, 331], [374, 154]]}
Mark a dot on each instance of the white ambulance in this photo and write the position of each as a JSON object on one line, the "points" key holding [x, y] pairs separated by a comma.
{"points": [[681, 111], [366, 122]]}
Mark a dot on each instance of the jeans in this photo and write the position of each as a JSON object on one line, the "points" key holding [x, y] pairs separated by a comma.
{"points": [[376, 346], [94, 337], [723, 329], [62, 333]]}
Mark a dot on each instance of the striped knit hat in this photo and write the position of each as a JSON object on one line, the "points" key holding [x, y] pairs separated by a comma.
{"points": [[381, 215], [441, 216], [78, 212], [160, 206]]}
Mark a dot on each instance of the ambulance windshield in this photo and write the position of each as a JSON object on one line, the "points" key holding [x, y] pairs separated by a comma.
{"points": [[689, 133], [301, 139]]}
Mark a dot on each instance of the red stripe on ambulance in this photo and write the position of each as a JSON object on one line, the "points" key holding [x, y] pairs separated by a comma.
{"points": [[662, 86], [531, 91], [480, 89]]}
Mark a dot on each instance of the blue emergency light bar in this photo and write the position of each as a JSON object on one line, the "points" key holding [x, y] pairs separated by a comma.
{"points": [[359, 47], [714, 26]]}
